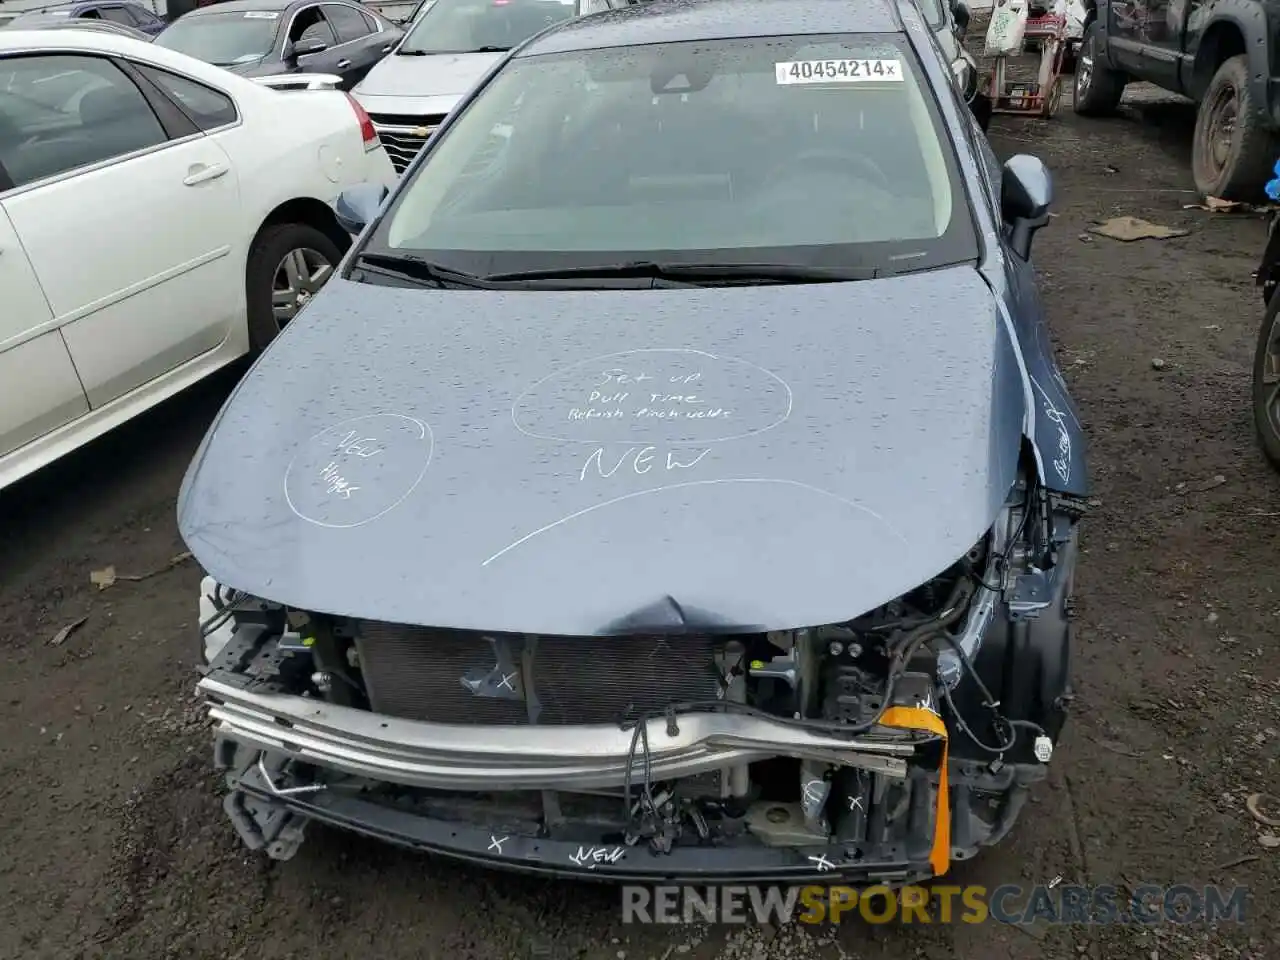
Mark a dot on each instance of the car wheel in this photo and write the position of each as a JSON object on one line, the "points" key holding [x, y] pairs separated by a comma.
{"points": [[1098, 88], [1233, 152], [288, 265], [1266, 383]]}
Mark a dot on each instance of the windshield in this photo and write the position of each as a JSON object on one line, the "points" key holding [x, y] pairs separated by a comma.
{"points": [[467, 26], [809, 151], [223, 39]]}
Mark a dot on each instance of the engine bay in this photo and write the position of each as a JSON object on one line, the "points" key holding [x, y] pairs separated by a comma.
{"points": [[851, 736]]}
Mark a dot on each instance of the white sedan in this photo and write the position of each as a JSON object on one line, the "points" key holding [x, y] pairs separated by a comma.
{"points": [[159, 218]]}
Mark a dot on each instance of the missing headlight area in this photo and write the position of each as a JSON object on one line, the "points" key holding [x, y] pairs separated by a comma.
{"points": [[701, 754]]}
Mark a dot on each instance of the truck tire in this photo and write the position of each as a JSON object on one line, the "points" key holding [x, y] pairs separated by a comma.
{"points": [[288, 264], [1233, 151], [1266, 412], [1098, 88]]}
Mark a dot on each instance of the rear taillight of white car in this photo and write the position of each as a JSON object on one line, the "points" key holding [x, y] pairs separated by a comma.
{"points": [[367, 132]]}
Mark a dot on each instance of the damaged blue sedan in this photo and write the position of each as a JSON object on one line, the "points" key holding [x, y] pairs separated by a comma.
{"points": [[674, 482]]}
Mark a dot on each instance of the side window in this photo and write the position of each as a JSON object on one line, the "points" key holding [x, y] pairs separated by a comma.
{"points": [[59, 113], [90, 15], [206, 106], [594, 6], [347, 22], [116, 15], [142, 17], [310, 24]]}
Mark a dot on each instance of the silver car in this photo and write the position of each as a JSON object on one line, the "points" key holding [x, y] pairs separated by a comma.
{"points": [[949, 19], [448, 47]]}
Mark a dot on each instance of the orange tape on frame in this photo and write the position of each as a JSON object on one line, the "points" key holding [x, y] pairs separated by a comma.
{"points": [[917, 718]]}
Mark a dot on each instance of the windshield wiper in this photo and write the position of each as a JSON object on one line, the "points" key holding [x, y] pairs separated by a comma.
{"points": [[701, 272], [489, 48], [417, 270]]}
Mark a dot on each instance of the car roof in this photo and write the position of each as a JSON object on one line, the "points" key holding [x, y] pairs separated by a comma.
{"points": [[80, 23], [242, 6], [70, 5], [53, 10], [43, 18], [673, 21], [15, 40]]}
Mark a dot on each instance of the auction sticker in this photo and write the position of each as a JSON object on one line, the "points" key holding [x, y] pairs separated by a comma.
{"points": [[838, 71]]}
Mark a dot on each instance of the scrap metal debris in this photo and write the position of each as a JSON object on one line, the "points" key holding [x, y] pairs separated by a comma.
{"points": [[1218, 205], [104, 578], [1116, 747], [1237, 862], [1253, 803], [59, 638], [1128, 229], [1201, 486]]}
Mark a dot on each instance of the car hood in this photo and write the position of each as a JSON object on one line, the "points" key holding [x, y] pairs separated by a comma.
{"points": [[397, 84], [600, 462]]}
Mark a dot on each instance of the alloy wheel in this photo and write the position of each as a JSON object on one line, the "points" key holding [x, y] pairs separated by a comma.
{"points": [[298, 277], [1084, 72]]}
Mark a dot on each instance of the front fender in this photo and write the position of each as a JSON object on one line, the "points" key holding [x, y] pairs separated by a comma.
{"points": [[1057, 434], [1230, 19], [1059, 437], [1050, 422]]}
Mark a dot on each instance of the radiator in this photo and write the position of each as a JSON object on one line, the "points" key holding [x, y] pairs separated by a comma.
{"points": [[456, 676]]}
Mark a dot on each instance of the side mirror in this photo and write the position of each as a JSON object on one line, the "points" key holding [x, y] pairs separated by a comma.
{"points": [[305, 48], [960, 13], [357, 206], [1026, 192]]}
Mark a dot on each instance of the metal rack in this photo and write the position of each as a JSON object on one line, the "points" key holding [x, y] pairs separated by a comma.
{"points": [[1019, 83]]}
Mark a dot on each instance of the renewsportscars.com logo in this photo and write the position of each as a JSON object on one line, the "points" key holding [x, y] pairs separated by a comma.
{"points": [[1009, 903]]}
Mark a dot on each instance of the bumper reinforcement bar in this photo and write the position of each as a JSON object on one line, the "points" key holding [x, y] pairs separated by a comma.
{"points": [[478, 757]]}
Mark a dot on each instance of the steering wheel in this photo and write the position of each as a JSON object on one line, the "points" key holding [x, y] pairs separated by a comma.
{"points": [[827, 156]]}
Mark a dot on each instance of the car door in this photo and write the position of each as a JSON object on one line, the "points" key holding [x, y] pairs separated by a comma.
{"points": [[310, 42], [360, 47], [129, 214], [39, 391], [387, 33], [1146, 35]]}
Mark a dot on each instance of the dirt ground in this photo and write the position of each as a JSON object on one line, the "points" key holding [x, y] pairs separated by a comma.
{"points": [[115, 844]]}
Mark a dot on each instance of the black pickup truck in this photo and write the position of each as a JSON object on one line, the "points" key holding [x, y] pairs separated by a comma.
{"points": [[1221, 54]]}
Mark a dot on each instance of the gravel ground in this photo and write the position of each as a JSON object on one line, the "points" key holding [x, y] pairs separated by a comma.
{"points": [[116, 846]]}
